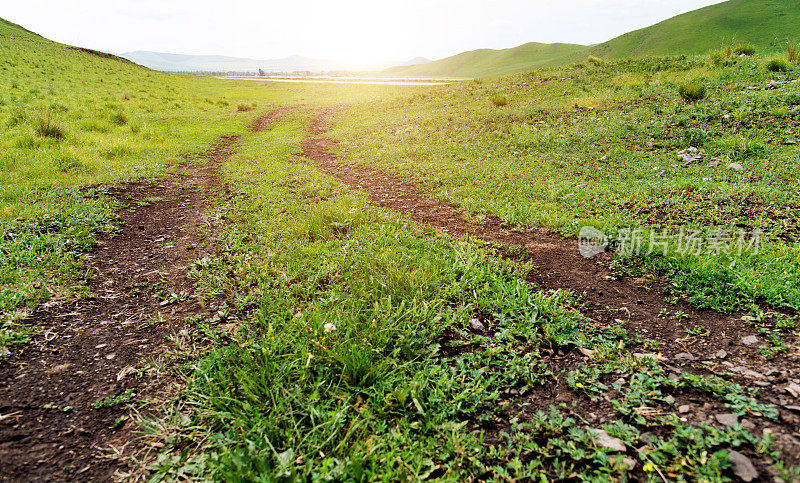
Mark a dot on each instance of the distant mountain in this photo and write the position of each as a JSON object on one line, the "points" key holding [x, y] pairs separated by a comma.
{"points": [[220, 63], [415, 61], [767, 24]]}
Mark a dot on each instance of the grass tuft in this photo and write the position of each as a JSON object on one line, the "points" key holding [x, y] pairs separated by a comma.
{"points": [[793, 53], [48, 127], [744, 49], [692, 92], [778, 65], [499, 100], [119, 118]]}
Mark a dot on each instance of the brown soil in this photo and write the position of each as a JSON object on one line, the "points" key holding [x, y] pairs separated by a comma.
{"points": [[102, 346], [559, 265]]}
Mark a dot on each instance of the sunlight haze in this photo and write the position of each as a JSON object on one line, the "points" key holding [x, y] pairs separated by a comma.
{"points": [[351, 30]]}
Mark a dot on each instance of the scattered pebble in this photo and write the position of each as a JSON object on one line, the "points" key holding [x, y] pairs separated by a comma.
{"points": [[684, 356], [794, 389], [742, 466], [727, 419], [721, 354], [58, 369], [605, 440], [476, 325], [735, 166], [750, 340], [685, 408]]}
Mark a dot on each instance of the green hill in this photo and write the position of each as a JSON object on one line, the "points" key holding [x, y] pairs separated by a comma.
{"points": [[766, 24], [488, 62]]}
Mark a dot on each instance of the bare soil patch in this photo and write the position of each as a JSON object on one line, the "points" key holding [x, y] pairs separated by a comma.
{"points": [[93, 349]]}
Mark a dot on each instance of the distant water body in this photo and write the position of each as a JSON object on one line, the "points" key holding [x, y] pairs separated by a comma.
{"points": [[416, 81]]}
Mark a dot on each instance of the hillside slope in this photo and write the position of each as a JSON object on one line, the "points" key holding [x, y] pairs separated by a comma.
{"points": [[489, 62], [767, 24]]}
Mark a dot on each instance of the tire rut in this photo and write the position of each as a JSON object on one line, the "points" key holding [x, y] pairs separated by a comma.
{"points": [[103, 346]]}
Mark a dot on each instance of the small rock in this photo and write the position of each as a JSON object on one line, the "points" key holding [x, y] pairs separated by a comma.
{"points": [[735, 166], [749, 373], [794, 389], [684, 356], [795, 409], [605, 440], [750, 340], [111, 356], [100, 346], [587, 352], [742, 466], [58, 369], [721, 354], [648, 438], [328, 328], [684, 408], [124, 372], [748, 425], [476, 325], [629, 463], [727, 419]]}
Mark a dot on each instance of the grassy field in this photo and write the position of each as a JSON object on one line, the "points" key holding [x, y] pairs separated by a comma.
{"points": [[342, 348], [599, 144]]}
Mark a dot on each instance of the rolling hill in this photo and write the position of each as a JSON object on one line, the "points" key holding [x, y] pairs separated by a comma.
{"points": [[488, 62], [766, 24]]}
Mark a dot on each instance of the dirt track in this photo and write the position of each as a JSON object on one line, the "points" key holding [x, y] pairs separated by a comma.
{"points": [[92, 349], [104, 346], [559, 265]]}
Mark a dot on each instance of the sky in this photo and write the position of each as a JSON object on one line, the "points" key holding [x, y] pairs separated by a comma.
{"points": [[346, 30]]}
